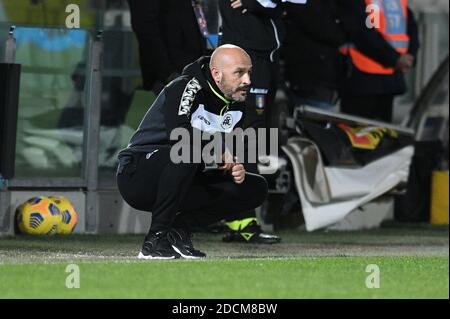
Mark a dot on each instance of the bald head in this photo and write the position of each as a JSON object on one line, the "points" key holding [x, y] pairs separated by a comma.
{"points": [[228, 54], [230, 68]]}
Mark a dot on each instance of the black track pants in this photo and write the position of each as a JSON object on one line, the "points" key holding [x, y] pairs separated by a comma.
{"points": [[174, 192]]}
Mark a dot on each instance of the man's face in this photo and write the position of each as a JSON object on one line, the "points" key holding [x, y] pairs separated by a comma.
{"points": [[234, 80]]}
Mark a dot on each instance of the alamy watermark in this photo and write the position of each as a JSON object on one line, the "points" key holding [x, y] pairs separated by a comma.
{"points": [[248, 146], [73, 19], [373, 20], [373, 279], [393, 14], [73, 279]]}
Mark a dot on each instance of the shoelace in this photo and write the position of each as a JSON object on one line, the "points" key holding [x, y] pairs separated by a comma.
{"points": [[153, 240]]}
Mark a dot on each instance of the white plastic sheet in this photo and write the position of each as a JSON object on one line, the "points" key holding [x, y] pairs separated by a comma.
{"points": [[338, 191]]}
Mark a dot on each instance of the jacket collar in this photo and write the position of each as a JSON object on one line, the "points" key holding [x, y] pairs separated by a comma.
{"points": [[218, 95]]}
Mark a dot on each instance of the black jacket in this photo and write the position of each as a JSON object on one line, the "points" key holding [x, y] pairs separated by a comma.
{"points": [[311, 49], [169, 38], [258, 30], [372, 43], [187, 102]]}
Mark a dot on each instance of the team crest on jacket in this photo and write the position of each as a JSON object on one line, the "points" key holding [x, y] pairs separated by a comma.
{"points": [[227, 122], [188, 96]]}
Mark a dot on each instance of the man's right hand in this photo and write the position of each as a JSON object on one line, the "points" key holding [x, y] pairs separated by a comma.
{"points": [[405, 62], [227, 161]]}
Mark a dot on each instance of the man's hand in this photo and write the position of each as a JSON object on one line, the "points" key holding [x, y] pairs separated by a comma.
{"points": [[238, 173], [233, 166], [405, 63], [236, 4], [227, 161]]}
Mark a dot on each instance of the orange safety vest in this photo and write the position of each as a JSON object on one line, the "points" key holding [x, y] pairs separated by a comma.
{"points": [[393, 27]]}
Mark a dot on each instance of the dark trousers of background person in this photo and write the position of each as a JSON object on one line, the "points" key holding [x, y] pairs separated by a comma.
{"points": [[183, 194], [320, 97], [261, 96], [260, 100], [373, 107]]}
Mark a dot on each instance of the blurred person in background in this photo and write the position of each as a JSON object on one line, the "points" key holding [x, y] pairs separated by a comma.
{"points": [[255, 26], [378, 57], [313, 64], [171, 34]]}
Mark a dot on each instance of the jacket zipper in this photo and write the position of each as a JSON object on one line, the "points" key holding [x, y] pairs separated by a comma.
{"points": [[225, 108]]}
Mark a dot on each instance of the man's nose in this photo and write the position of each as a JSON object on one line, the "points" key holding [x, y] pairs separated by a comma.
{"points": [[246, 79]]}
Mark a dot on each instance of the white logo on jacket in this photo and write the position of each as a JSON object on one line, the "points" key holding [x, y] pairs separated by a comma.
{"points": [[259, 91], [211, 123], [227, 122], [188, 96]]}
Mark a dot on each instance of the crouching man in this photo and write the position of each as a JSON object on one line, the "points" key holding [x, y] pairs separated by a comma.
{"points": [[209, 97]]}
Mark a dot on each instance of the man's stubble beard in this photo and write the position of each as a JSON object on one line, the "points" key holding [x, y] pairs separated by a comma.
{"points": [[229, 93]]}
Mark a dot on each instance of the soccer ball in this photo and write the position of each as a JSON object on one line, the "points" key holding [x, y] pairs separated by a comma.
{"points": [[38, 216], [69, 216]]}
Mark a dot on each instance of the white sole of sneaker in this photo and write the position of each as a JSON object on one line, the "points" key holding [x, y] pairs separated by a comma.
{"points": [[185, 256], [142, 256]]}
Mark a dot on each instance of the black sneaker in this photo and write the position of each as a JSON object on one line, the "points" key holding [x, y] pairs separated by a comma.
{"points": [[157, 246], [252, 233], [181, 241]]}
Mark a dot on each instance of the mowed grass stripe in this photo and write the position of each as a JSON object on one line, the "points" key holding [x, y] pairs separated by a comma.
{"points": [[324, 277]]}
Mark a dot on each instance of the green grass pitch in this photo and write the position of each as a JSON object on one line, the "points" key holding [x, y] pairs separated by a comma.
{"points": [[413, 262]]}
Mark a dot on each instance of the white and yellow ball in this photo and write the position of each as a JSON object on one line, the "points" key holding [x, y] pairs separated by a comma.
{"points": [[69, 216], [38, 216]]}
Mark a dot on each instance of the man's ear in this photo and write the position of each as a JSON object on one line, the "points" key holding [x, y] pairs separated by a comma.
{"points": [[216, 75]]}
